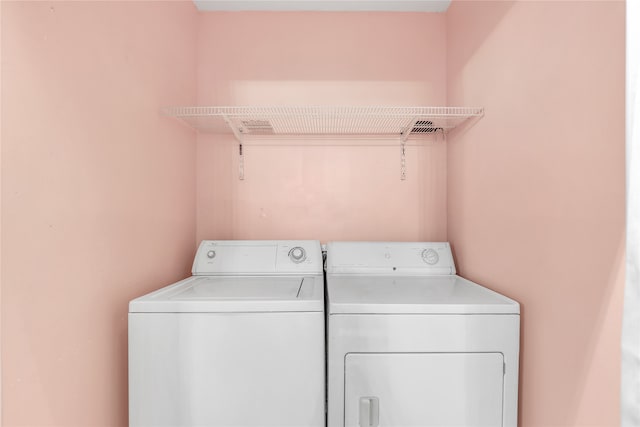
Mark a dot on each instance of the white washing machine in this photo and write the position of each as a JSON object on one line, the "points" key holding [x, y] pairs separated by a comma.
{"points": [[410, 343], [240, 343]]}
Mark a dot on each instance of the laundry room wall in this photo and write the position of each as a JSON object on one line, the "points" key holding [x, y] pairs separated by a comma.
{"points": [[98, 195], [330, 189], [536, 190]]}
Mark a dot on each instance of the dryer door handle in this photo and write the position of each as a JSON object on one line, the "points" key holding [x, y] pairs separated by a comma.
{"points": [[369, 411]]}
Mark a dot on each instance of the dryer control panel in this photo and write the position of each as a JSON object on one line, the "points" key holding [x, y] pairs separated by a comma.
{"points": [[260, 257], [399, 258]]}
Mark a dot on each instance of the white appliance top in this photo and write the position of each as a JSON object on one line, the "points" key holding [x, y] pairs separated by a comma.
{"points": [[387, 278], [234, 294], [245, 276], [413, 295]]}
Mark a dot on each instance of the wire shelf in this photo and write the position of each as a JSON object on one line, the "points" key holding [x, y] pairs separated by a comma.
{"points": [[324, 121]]}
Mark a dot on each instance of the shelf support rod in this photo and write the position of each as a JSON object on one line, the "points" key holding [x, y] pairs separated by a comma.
{"points": [[240, 163], [404, 135], [403, 162], [238, 136]]}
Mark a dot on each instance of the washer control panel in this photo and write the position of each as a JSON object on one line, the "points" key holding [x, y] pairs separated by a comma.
{"points": [[228, 257], [409, 258]]}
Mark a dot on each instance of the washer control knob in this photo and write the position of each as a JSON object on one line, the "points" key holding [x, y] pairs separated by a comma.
{"points": [[211, 254], [430, 256], [297, 254]]}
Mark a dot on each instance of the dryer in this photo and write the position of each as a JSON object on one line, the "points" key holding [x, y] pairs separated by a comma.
{"points": [[240, 343], [410, 343]]}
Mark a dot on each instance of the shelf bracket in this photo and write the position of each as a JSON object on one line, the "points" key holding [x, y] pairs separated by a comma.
{"points": [[407, 131], [240, 162], [238, 134], [404, 136], [403, 162]]}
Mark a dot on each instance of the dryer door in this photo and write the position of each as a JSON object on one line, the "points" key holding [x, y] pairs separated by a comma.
{"points": [[423, 389]]}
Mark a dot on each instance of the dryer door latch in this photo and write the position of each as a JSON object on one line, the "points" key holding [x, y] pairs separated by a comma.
{"points": [[369, 411]]}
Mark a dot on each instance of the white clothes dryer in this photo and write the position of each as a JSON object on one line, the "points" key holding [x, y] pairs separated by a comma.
{"points": [[240, 343], [410, 343]]}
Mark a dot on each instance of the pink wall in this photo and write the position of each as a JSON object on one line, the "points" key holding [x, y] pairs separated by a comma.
{"points": [[99, 192], [98, 195], [536, 190], [331, 190]]}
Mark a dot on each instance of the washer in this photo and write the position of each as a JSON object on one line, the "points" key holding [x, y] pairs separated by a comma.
{"points": [[410, 343], [240, 343]]}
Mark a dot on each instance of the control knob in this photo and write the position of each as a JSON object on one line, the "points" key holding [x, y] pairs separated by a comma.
{"points": [[430, 256], [297, 254], [211, 254]]}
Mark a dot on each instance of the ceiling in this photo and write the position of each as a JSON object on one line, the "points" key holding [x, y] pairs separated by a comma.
{"points": [[324, 5]]}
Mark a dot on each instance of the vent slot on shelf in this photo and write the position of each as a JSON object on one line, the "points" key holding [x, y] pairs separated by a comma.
{"points": [[424, 126], [256, 127]]}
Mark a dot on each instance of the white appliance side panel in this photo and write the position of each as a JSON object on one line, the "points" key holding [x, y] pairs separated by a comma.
{"points": [[423, 390], [409, 333], [226, 369]]}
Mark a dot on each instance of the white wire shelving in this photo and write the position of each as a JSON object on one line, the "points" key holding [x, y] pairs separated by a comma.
{"points": [[325, 122]]}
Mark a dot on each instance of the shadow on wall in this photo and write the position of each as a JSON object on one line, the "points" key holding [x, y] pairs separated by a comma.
{"points": [[537, 212], [318, 92], [603, 342], [336, 189], [478, 29]]}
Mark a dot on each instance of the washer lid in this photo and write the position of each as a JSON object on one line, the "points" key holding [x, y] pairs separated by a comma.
{"points": [[231, 294], [350, 294]]}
